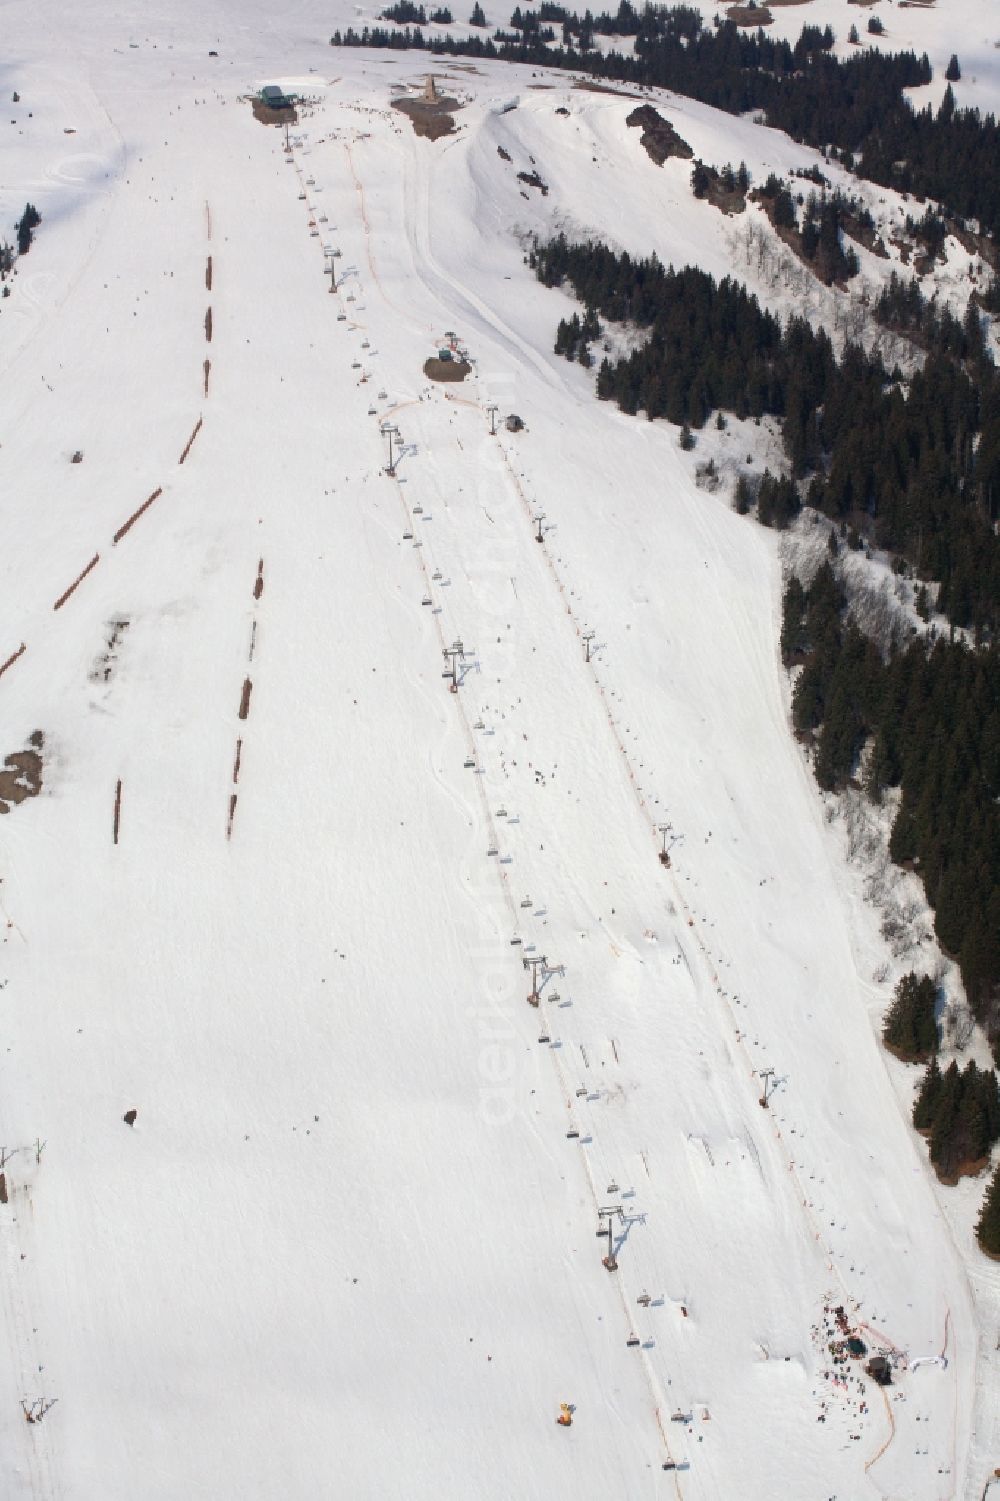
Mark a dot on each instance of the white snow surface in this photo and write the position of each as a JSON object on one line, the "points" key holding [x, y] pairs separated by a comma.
{"points": [[348, 1248]]}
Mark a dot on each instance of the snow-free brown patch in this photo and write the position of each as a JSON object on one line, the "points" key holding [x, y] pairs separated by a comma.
{"points": [[268, 116], [431, 118], [446, 369], [21, 773]]}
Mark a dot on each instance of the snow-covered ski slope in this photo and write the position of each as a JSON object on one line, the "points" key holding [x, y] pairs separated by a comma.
{"points": [[348, 1248]]}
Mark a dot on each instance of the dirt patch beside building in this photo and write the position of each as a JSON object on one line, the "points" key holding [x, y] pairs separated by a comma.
{"points": [[432, 118], [446, 369], [268, 116]]}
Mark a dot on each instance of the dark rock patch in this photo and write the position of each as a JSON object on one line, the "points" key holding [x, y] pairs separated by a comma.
{"points": [[658, 135]]}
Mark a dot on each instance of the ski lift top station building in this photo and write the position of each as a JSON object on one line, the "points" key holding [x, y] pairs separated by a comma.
{"points": [[274, 97]]}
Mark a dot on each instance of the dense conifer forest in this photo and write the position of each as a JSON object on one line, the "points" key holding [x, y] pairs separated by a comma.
{"points": [[913, 468], [959, 1112], [910, 1028], [856, 106], [908, 466], [930, 715]]}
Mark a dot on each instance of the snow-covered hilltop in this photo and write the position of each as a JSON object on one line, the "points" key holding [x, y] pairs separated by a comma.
{"points": [[287, 898]]}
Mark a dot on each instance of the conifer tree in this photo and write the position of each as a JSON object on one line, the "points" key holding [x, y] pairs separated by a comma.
{"points": [[925, 1104], [910, 1029], [945, 1118], [793, 608], [988, 1228]]}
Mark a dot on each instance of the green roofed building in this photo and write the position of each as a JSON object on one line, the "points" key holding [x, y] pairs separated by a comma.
{"points": [[274, 97]]}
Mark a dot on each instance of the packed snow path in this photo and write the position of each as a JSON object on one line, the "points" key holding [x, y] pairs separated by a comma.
{"points": [[279, 889]]}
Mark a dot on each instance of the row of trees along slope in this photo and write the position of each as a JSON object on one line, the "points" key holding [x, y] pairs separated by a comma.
{"points": [[855, 106], [914, 467]]}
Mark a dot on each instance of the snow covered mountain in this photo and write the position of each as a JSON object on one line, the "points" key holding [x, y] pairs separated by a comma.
{"points": [[286, 897]]}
